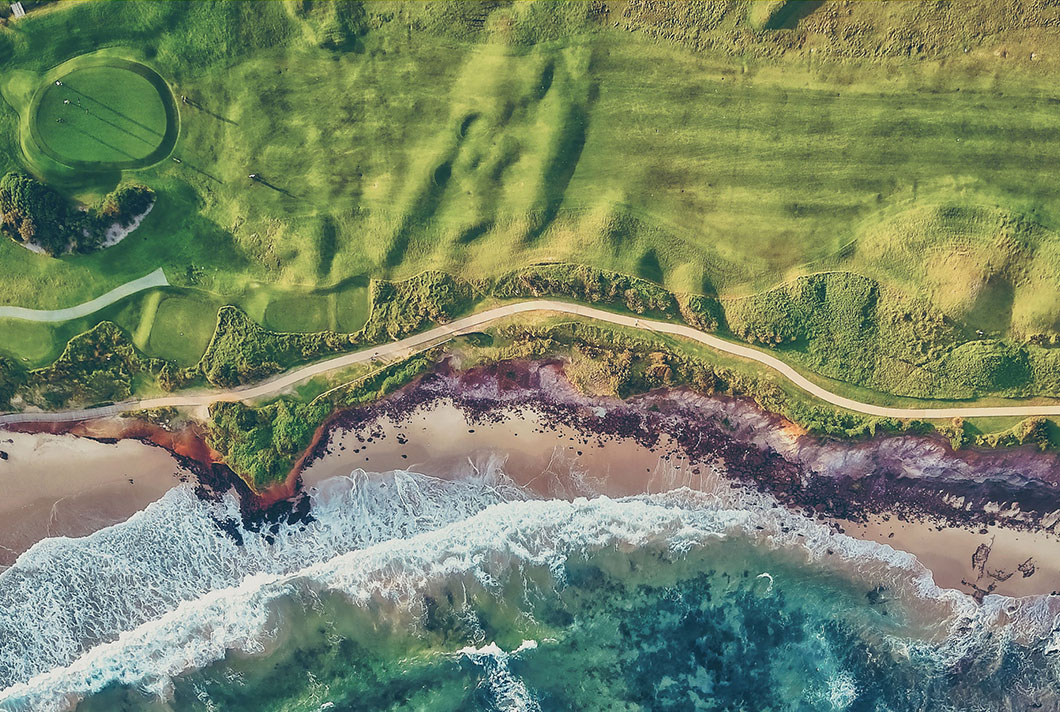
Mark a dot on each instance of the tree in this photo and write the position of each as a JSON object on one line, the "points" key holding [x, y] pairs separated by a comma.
{"points": [[27, 230], [30, 211]]}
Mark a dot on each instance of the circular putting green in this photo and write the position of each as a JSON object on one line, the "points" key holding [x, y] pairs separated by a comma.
{"points": [[104, 113]]}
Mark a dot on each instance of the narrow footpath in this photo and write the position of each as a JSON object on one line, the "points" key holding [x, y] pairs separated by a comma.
{"points": [[441, 334]]}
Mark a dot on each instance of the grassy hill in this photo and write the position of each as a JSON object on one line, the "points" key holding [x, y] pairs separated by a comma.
{"points": [[712, 148]]}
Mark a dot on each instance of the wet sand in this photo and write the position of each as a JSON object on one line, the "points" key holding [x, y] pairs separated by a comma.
{"points": [[62, 485], [554, 460]]}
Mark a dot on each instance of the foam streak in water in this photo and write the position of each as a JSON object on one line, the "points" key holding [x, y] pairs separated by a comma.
{"points": [[65, 596], [486, 545]]}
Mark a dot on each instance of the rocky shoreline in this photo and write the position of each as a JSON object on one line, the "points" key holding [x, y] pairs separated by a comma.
{"points": [[905, 477], [900, 476]]}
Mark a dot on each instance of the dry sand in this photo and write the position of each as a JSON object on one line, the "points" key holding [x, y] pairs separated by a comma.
{"points": [[439, 441], [61, 485]]}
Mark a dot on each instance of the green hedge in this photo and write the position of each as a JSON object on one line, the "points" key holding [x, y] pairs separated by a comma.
{"points": [[590, 285], [241, 351]]}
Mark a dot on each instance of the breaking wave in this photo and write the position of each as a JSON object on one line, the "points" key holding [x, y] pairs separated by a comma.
{"points": [[167, 592]]}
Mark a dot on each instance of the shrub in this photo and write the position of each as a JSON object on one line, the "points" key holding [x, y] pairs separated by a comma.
{"points": [[101, 365], [588, 284], [403, 308], [124, 203], [703, 313], [262, 444], [31, 211], [12, 378], [241, 351]]}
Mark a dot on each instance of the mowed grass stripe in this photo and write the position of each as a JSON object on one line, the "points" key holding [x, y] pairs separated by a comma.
{"points": [[95, 103]]}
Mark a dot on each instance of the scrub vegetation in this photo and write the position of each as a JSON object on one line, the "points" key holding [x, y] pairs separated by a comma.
{"points": [[38, 217], [871, 189]]}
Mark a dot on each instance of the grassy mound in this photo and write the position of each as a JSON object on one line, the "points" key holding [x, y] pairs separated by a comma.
{"points": [[103, 112], [991, 270], [709, 148]]}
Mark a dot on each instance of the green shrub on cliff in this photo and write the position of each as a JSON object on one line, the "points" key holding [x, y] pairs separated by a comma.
{"points": [[262, 444]]}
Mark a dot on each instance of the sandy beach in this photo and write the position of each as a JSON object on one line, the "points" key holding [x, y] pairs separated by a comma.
{"points": [[554, 460], [62, 485]]}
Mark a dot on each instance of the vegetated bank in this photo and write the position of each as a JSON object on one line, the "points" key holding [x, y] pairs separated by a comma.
{"points": [[822, 314], [39, 218], [711, 148]]}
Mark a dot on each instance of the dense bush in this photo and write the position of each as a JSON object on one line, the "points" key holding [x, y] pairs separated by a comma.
{"points": [[241, 351], [829, 305], [403, 308], [12, 378], [101, 365], [262, 444], [588, 284], [703, 313], [987, 367], [629, 365], [124, 203], [33, 213]]}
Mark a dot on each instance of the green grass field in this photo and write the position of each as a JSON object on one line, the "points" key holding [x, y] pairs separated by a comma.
{"points": [[712, 148], [100, 115]]}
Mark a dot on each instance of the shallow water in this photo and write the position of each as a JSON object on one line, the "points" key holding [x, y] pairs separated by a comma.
{"points": [[409, 592]]}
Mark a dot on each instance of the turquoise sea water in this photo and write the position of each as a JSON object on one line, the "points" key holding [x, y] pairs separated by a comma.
{"points": [[410, 593]]}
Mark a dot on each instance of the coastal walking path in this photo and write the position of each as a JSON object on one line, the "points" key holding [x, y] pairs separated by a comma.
{"points": [[467, 324], [148, 281]]}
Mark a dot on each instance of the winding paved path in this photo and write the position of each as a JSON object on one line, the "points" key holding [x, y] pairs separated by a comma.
{"points": [[445, 333], [148, 281]]}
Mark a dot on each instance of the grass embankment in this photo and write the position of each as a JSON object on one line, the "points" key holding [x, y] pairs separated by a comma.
{"points": [[100, 112], [263, 443], [691, 145], [845, 331]]}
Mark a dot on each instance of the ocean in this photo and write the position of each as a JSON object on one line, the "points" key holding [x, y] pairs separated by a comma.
{"points": [[410, 592]]}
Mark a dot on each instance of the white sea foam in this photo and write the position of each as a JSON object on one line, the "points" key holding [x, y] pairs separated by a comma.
{"points": [[391, 538], [64, 596], [508, 692]]}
